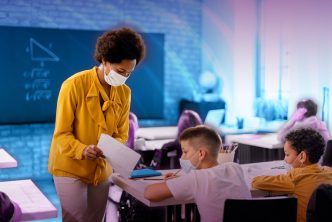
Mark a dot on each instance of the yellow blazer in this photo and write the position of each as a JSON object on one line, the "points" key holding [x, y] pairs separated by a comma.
{"points": [[81, 119]]}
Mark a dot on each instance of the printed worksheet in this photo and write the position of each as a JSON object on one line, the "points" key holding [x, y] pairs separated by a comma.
{"points": [[120, 157]]}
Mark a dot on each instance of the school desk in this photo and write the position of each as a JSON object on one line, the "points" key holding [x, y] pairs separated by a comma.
{"points": [[34, 204], [257, 147], [157, 133], [6, 160], [136, 187]]}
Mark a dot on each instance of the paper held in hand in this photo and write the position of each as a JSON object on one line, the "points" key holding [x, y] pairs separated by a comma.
{"points": [[119, 156]]}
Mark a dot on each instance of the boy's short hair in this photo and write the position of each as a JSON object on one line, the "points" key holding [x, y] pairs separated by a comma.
{"points": [[308, 140], [310, 105], [202, 135]]}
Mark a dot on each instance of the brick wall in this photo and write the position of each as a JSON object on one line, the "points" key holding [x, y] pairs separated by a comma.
{"points": [[180, 21]]}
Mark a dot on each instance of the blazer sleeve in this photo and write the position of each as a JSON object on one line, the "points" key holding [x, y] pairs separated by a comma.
{"points": [[63, 133]]}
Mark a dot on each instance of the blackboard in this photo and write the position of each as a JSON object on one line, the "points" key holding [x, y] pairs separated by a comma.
{"points": [[35, 61]]}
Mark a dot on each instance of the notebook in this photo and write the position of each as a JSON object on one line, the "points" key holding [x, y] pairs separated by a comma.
{"points": [[144, 173]]}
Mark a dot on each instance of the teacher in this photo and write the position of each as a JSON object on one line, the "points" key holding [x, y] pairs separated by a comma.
{"points": [[92, 102]]}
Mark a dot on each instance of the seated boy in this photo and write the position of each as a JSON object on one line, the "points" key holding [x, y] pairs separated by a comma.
{"points": [[303, 148], [206, 182]]}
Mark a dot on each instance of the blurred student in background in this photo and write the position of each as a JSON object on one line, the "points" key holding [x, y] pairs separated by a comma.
{"points": [[161, 158], [202, 179], [304, 117], [303, 148], [90, 103]]}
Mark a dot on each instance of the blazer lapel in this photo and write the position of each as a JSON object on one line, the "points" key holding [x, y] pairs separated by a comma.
{"points": [[93, 104]]}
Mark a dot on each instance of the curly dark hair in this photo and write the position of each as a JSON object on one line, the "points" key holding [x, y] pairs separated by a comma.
{"points": [[117, 45], [309, 141], [310, 105]]}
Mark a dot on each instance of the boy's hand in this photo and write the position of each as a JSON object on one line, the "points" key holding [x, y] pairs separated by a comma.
{"points": [[170, 175]]}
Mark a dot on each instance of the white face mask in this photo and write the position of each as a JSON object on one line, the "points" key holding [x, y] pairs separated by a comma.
{"points": [[187, 166], [114, 79], [288, 166]]}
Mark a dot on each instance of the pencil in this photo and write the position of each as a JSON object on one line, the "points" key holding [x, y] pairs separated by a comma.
{"points": [[171, 175], [152, 178]]}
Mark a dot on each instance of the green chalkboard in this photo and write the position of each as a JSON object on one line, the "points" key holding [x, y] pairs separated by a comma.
{"points": [[35, 61]]}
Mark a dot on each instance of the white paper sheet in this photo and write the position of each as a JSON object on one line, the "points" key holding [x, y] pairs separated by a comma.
{"points": [[120, 157]]}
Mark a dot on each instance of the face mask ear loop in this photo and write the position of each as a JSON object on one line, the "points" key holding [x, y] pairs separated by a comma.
{"points": [[299, 158], [199, 161], [301, 163]]}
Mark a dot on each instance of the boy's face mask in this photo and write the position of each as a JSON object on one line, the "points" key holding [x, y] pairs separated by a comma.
{"points": [[289, 166], [186, 165]]}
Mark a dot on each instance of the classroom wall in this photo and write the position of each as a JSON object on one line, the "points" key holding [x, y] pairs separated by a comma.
{"points": [[180, 21], [300, 29], [228, 37]]}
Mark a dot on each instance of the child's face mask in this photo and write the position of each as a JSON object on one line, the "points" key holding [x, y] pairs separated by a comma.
{"points": [[289, 166], [186, 165]]}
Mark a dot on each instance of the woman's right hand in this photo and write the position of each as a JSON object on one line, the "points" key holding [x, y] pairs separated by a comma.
{"points": [[92, 152]]}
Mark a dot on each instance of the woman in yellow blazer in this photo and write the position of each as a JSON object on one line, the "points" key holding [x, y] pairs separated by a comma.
{"points": [[303, 148], [92, 102]]}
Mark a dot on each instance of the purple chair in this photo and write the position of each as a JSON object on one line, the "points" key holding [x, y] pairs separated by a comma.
{"points": [[9, 210], [188, 118], [168, 156], [133, 126]]}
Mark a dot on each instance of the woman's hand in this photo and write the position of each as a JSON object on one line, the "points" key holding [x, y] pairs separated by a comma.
{"points": [[92, 152]]}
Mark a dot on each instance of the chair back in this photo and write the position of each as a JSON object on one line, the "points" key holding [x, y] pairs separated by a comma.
{"points": [[133, 126], [320, 204], [271, 209], [188, 118], [9, 210], [327, 157]]}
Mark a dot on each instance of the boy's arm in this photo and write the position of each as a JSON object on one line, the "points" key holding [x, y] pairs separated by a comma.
{"points": [[157, 192], [281, 182]]}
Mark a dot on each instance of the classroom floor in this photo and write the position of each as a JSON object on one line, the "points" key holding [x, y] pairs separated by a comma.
{"points": [[48, 189]]}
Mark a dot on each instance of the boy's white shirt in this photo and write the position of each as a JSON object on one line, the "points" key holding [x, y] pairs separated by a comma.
{"points": [[210, 188]]}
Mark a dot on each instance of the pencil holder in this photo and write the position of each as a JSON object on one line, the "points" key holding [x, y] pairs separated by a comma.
{"points": [[227, 153]]}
